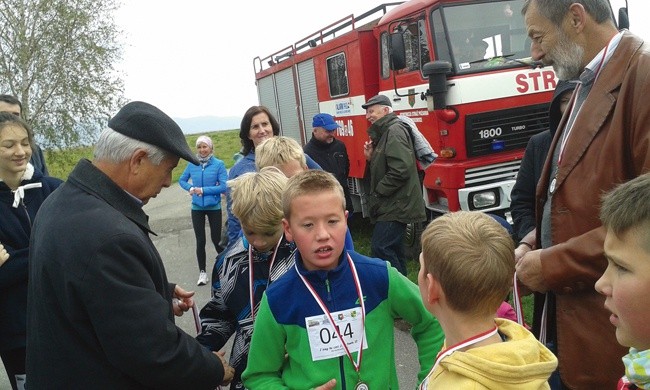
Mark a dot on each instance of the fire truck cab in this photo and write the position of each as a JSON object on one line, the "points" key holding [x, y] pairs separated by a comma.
{"points": [[460, 69]]}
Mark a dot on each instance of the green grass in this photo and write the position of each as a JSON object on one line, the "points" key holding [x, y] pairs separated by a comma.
{"points": [[226, 144]]}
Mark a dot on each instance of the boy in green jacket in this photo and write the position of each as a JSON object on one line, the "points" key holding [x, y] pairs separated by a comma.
{"points": [[332, 314]]}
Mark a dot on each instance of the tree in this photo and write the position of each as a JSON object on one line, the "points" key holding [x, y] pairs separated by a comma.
{"points": [[58, 57]]}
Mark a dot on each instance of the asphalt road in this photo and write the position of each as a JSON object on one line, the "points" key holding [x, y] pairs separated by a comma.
{"points": [[169, 217]]}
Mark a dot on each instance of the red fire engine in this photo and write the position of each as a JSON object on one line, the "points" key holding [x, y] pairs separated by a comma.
{"points": [[460, 69]]}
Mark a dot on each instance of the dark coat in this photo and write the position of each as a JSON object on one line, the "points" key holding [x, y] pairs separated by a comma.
{"points": [[15, 231], [333, 158], [395, 191], [609, 144], [100, 306]]}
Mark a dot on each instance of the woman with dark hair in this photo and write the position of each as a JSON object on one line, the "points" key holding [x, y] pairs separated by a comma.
{"points": [[22, 191], [257, 125]]}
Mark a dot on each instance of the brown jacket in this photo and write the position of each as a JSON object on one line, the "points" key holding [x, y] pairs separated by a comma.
{"points": [[610, 144]]}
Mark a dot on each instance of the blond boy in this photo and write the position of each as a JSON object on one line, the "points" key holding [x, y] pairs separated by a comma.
{"points": [[283, 153], [466, 268], [329, 285], [625, 213], [261, 255]]}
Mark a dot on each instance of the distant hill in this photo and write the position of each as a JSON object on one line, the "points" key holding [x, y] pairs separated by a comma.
{"points": [[206, 124]]}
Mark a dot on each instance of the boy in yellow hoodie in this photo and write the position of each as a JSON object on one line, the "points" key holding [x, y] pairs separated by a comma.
{"points": [[462, 285]]}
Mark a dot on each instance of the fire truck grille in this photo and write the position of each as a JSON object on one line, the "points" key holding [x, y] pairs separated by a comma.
{"points": [[500, 131], [353, 185], [494, 173]]}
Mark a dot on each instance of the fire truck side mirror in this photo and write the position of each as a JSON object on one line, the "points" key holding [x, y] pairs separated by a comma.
{"points": [[436, 72], [397, 51]]}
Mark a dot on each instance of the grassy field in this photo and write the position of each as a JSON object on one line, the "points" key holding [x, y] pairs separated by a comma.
{"points": [[226, 144]]}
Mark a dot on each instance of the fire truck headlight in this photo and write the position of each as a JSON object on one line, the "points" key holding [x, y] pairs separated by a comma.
{"points": [[484, 199]]}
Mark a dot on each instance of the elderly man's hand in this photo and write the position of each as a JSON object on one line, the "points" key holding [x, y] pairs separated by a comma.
{"points": [[228, 371], [529, 271], [368, 148], [4, 256], [182, 301]]}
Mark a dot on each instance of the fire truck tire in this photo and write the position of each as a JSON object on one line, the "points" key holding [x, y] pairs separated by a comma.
{"points": [[412, 246]]}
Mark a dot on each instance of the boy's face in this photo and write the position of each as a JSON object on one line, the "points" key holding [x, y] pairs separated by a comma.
{"points": [[626, 286], [262, 241], [318, 226]]}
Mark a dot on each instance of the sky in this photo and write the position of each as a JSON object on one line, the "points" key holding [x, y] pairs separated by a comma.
{"points": [[195, 57]]}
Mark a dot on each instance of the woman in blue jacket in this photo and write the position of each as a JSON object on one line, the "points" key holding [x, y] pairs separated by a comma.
{"points": [[22, 191], [205, 182]]}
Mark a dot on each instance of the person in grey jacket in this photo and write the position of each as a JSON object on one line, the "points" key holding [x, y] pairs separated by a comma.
{"points": [[395, 197], [100, 311]]}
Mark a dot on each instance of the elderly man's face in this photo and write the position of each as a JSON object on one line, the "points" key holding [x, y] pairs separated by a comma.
{"points": [[376, 112], [552, 44], [151, 178]]}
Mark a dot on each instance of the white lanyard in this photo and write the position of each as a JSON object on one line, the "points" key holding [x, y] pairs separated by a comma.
{"points": [[519, 310], [470, 341], [251, 287], [357, 284], [565, 138]]}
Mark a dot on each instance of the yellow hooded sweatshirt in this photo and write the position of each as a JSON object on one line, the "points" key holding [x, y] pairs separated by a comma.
{"points": [[519, 363]]}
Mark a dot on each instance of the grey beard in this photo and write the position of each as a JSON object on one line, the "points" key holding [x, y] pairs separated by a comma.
{"points": [[567, 59]]}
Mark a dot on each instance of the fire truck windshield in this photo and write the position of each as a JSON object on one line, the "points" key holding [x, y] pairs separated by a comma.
{"points": [[496, 39]]}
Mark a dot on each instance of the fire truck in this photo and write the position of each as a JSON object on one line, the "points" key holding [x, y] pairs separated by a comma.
{"points": [[461, 70]]}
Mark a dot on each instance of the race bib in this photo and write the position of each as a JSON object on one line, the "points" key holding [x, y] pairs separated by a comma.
{"points": [[324, 341]]}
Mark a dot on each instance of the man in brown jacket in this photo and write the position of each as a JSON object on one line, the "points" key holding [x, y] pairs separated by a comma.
{"points": [[602, 140]]}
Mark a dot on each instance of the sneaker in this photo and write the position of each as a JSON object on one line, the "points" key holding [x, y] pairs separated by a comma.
{"points": [[203, 279]]}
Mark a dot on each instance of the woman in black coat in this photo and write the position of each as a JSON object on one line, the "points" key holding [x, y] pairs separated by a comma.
{"points": [[22, 191]]}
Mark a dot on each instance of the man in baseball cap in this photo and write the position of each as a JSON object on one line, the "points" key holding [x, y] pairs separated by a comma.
{"points": [[329, 152], [99, 294]]}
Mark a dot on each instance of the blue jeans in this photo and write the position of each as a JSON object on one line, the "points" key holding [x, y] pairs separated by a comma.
{"points": [[387, 243]]}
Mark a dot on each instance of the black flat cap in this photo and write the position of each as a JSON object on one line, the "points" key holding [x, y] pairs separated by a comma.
{"points": [[377, 99], [146, 123]]}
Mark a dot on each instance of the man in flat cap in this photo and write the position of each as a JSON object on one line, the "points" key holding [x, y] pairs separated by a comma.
{"points": [[100, 308], [395, 196]]}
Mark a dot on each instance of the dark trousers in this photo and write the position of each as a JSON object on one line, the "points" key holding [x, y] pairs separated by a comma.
{"points": [[14, 362], [387, 243], [198, 223]]}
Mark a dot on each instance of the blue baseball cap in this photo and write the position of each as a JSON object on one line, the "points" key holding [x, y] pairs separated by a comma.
{"points": [[325, 121]]}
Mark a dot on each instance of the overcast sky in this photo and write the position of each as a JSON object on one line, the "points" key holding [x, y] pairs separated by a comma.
{"points": [[195, 57]]}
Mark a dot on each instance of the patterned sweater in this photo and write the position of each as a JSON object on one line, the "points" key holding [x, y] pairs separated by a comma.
{"points": [[229, 309]]}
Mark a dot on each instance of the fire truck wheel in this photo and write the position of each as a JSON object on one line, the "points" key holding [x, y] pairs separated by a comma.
{"points": [[412, 245]]}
